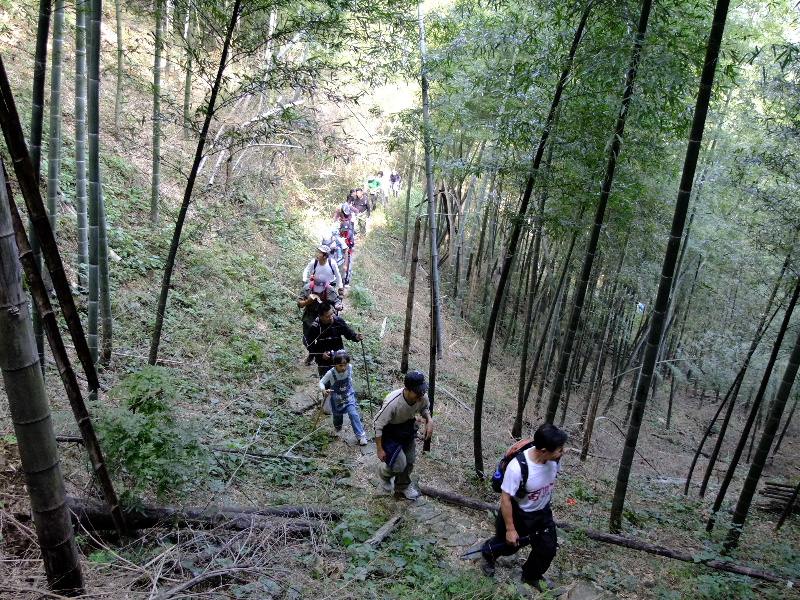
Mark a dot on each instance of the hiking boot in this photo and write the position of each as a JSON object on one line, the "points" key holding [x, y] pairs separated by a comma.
{"points": [[363, 441], [336, 433], [309, 359], [410, 493], [487, 564]]}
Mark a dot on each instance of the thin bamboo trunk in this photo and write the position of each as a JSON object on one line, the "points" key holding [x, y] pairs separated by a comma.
{"points": [[81, 9], [33, 426], [158, 67], [412, 282], [37, 123], [187, 79], [106, 321], [436, 315], [120, 64], [95, 190], [757, 467], [187, 195], [668, 268], [605, 191], [756, 406], [783, 431], [408, 199], [733, 390], [54, 145]]}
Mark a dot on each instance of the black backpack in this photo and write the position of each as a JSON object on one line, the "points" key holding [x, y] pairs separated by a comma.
{"points": [[516, 451]]}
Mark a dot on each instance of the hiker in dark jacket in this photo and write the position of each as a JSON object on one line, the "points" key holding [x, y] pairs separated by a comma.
{"points": [[324, 337]]}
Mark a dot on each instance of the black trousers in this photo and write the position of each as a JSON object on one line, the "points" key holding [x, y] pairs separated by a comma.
{"points": [[539, 527]]}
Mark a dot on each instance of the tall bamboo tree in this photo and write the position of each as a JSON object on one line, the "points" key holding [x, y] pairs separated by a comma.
{"points": [[95, 191], [80, 137], [54, 145], [37, 122], [436, 310], [516, 230], [187, 194], [33, 425], [605, 191], [668, 267]]}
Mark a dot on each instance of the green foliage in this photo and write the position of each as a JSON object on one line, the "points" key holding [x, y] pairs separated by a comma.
{"points": [[708, 586], [361, 298], [149, 450], [408, 568]]}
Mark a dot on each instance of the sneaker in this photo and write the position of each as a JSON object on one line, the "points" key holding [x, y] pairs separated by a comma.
{"points": [[384, 485], [362, 441], [487, 564], [336, 433], [410, 493], [541, 585]]}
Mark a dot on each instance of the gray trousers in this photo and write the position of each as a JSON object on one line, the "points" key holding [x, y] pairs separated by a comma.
{"points": [[400, 467]]}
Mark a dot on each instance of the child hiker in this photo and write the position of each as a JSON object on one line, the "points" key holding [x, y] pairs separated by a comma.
{"points": [[338, 384]]}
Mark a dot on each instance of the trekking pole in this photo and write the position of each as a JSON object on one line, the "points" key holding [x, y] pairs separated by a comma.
{"points": [[369, 387]]}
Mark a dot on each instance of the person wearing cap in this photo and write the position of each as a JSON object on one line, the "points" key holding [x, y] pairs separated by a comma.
{"points": [[324, 337], [321, 283], [323, 272], [395, 434]]}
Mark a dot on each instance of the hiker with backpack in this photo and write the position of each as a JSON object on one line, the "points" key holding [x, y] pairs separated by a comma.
{"points": [[525, 478], [322, 272], [324, 337], [395, 434], [347, 232], [337, 385]]}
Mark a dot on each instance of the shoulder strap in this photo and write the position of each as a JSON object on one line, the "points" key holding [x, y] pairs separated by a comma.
{"points": [[523, 467]]}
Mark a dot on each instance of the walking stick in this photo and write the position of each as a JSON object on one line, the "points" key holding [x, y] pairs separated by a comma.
{"points": [[523, 541], [369, 388]]}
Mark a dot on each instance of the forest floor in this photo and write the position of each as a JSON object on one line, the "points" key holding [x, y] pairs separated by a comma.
{"points": [[231, 378]]}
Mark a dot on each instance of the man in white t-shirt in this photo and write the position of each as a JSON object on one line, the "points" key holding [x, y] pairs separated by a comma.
{"points": [[525, 516]]}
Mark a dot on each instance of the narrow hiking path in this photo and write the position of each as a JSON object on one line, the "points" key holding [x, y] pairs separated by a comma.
{"points": [[376, 306]]}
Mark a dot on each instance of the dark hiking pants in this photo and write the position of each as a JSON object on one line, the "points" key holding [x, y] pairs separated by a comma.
{"points": [[540, 528]]}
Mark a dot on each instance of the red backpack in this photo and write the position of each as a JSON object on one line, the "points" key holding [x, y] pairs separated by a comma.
{"points": [[516, 451]]}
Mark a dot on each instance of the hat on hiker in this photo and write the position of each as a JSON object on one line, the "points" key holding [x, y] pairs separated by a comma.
{"points": [[324, 249], [345, 208], [415, 381]]}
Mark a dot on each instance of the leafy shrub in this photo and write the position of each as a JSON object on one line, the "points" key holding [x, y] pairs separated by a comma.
{"points": [[144, 446], [360, 298]]}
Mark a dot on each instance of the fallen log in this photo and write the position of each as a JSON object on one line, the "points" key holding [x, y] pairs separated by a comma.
{"points": [[617, 540], [93, 515], [384, 531]]}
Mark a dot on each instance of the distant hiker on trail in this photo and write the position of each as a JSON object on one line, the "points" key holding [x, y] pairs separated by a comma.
{"points": [[374, 185], [324, 337], [525, 516], [337, 384], [395, 434], [347, 232], [338, 248], [359, 202], [394, 183]]}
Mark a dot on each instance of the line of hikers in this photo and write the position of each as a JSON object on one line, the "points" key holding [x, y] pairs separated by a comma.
{"points": [[526, 474]]}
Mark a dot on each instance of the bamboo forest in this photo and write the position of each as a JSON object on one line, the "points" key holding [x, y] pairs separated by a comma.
{"points": [[366, 299]]}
